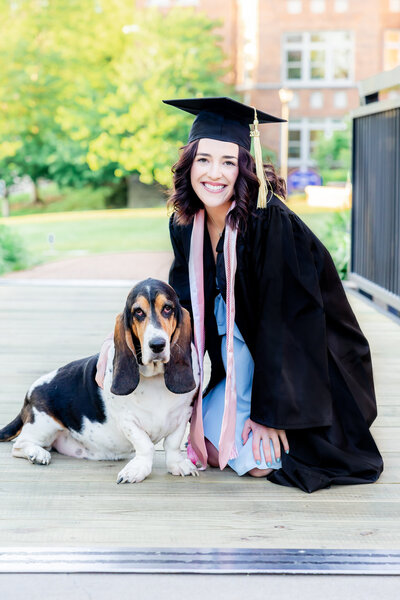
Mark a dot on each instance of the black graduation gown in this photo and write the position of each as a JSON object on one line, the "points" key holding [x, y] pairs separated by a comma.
{"points": [[312, 364]]}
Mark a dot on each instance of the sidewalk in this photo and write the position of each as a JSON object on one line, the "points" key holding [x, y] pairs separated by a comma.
{"points": [[116, 266]]}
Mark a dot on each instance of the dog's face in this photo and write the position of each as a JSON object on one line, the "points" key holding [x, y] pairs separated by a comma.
{"points": [[153, 328], [152, 313]]}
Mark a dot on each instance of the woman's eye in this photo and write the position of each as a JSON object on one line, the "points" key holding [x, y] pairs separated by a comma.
{"points": [[201, 160], [230, 163]]}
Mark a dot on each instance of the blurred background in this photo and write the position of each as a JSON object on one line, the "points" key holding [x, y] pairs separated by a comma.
{"points": [[86, 145]]}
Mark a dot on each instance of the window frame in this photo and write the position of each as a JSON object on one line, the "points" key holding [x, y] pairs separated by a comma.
{"points": [[305, 47], [296, 12], [306, 125], [389, 45], [394, 6], [341, 11], [313, 3]]}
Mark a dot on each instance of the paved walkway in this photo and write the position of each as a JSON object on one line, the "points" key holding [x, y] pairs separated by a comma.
{"points": [[116, 266]]}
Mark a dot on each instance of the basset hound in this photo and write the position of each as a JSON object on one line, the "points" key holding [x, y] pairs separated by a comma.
{"points": [[151, 379]]}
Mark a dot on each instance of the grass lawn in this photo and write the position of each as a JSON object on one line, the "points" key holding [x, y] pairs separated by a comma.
{"points": [[103, 231], [80, 233]]}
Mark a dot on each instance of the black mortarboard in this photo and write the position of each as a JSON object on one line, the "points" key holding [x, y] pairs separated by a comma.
{"points": [[227, 120], [221, 119]]}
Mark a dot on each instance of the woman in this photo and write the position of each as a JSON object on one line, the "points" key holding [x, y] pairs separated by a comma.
{"points": [[290, 368]]}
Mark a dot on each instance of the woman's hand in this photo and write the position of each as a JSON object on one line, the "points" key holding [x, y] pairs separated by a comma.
{"points": [[264, 434]]}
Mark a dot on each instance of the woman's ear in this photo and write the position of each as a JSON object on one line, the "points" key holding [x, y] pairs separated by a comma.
{"points": [[178, 372], [125, 366]]}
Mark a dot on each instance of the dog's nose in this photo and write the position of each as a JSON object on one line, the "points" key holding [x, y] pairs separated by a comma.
{"points": [[157, 345]]}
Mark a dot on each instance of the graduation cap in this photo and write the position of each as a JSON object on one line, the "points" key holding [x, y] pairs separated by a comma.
{"points": [[227, 120]]}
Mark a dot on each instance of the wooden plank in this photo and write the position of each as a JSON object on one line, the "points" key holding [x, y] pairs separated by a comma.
{"points": [[74, 502]]}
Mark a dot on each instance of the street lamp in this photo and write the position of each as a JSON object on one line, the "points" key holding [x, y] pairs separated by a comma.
{"points": [[285, 97]]}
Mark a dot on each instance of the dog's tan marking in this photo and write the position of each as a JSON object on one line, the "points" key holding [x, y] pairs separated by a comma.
{"points": [[12, 437], [167, 323], [55, 419], [139, 326]]}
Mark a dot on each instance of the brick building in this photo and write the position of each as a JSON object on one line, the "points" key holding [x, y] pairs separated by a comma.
{"points": [[319, 49]]}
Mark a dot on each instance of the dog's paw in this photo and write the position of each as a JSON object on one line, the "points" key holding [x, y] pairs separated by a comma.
{"points": [[183, 467], [37, 455], [135, 471]]}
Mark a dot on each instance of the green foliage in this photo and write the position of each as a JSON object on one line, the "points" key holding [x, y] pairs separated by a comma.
{"points": [[336, 237], [82, 84], [334, 175], [139, 133], [48, 50], [65, 200], [333, 155], [12, 251]]}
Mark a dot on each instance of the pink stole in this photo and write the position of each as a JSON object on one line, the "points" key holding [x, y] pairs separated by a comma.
{"points": [[227, 446]]}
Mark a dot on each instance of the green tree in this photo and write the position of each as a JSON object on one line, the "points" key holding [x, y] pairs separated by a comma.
{"points": [[82, 83], [333, 155], [139, 132], [55, 57]]}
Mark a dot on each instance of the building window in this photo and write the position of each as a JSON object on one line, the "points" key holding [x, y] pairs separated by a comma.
{"points": [[315, 136], [341, 6], [165, 3], [304, 135], [316, 100], [294, 144], [160, 3], [317, 6], [340, 99], [294, 7], [394, 5], [391, 49], [315, 57]]}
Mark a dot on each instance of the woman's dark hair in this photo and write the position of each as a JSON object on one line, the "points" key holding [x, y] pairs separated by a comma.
{"points": [[184, 201]]}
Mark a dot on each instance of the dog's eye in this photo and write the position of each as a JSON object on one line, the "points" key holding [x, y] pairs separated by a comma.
{"points": [[167, 310], [138, 312]]}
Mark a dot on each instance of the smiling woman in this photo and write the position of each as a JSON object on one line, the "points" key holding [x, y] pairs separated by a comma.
{"points": [[291, 393]]}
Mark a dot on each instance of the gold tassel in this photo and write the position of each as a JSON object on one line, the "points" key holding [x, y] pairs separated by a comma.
{"points": [[262, 191]]}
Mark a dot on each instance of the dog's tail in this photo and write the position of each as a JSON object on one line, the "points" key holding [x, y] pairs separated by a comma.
{"points": [[10, 431]]}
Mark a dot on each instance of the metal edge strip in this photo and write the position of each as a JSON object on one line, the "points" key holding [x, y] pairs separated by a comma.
{"points": [[375, 290], [200, 561]]}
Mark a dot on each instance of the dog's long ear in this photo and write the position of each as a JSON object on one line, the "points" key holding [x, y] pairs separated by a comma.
{"points": [[125, 366], [178, 372]]}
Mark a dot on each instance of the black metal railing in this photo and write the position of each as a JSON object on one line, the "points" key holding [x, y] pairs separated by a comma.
{"points": [[375, 252]]}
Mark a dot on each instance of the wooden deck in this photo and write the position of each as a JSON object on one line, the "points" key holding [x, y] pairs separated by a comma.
{"points": [[77, 503]]}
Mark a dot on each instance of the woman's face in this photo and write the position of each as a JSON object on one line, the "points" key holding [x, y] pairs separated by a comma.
{"points": [[214, 171]]}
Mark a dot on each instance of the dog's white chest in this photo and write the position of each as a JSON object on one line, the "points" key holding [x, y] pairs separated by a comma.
{"points": [[151, 407]]}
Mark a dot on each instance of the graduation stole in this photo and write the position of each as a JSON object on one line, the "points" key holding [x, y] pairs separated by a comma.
{"points": [[227, 446]]}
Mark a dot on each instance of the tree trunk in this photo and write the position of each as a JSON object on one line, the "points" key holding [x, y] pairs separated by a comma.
{"points": [[5, 204], [131, 186], [36, 197]]}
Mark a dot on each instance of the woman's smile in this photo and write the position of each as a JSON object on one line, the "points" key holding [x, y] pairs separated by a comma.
{"points": [[214, 188]]}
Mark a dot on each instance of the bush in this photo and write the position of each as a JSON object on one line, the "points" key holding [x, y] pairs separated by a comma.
{"points": [[336, 237], [12, 252]]}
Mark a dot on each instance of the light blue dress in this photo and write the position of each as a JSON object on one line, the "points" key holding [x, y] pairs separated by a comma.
{"points": [[213, 403]]}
